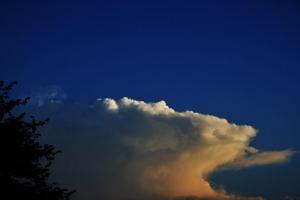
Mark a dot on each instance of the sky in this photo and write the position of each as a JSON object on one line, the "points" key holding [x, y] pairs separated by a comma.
{"points": [[237, 60]]}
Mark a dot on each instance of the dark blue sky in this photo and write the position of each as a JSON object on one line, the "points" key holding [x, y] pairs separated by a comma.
{"points": [[237, 60]]}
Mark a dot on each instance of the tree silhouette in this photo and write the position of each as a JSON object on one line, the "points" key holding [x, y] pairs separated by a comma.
{"points": [[25, 162]]}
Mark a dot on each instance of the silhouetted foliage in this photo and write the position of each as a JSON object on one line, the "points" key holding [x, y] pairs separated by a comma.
{"points": [[25, 162]]}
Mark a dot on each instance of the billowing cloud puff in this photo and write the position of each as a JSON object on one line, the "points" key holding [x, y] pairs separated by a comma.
{"points": [[130, 149]]}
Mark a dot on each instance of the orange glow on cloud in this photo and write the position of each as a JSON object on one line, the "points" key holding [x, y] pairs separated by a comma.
{"points": [[155, 152]]}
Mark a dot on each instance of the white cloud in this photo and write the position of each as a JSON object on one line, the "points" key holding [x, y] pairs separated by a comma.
{"points": [[148, 150]]}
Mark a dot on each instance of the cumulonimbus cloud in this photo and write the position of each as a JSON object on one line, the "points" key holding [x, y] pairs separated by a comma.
{"points": [[128, 149]]}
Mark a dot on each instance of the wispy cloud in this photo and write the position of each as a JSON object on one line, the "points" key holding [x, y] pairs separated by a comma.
{"points": [[52, 93]]}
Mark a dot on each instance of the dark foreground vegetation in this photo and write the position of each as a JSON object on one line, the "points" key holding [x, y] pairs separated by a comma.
{"points": [[25, 162]]}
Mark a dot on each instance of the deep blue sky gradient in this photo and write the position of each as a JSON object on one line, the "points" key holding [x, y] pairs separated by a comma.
{"points": [[239, 60]]}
